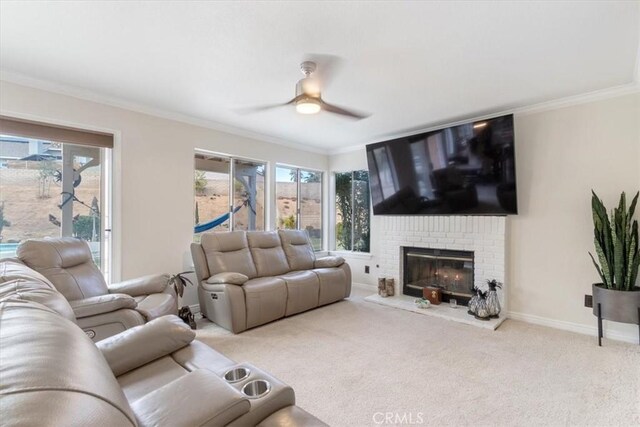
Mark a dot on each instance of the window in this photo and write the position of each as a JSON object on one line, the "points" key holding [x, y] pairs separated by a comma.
{"points": [[299, 202], [352, 211], [223, 203], [52, 189]]}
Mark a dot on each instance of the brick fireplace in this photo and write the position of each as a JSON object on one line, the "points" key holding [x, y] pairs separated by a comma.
{"points": [[483, 236]]}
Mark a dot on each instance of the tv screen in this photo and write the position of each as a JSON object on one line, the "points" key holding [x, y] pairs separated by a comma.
{"points": [[467, 169]]}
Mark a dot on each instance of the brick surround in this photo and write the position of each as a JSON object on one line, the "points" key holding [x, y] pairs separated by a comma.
{"points": [[484, 235]]}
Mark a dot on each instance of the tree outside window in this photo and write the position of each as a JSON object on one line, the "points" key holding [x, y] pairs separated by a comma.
{"points": [[299, 202], [352, 211]]}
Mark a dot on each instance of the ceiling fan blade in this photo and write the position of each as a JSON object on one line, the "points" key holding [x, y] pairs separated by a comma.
{"points": [[344, 112], [259, 108]]}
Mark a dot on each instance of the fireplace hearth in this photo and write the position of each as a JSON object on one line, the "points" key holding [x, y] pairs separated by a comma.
{"points": [[449, 270]]}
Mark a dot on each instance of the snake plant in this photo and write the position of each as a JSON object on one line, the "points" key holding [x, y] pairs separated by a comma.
{"points": [[616, 243]]}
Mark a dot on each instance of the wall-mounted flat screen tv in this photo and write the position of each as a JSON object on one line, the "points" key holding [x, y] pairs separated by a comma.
{"points": [[467, 169]]}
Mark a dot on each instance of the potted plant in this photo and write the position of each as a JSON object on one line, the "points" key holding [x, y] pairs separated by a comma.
{"points": [[617, 297]]}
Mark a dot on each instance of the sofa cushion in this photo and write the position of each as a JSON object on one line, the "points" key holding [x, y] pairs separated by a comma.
{"points": [[266, 300], [145, 379], [37, 291], [13, 268], [142, 344], [53, 373], [224, 403], [297, 248], [267, 253], [333, 284], [228, 252], [67, 263], [303, 289], [329, 261], [227, 278]]}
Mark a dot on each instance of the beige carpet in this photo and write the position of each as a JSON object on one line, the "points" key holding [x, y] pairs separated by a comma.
{"points": [[353, 362]]}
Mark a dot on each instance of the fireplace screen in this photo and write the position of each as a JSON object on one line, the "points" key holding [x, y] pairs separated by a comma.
{"points": [[452, 271]]}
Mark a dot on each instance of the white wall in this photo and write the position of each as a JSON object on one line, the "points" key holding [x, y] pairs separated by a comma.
{"points": [[153, 224], [561, 155]]}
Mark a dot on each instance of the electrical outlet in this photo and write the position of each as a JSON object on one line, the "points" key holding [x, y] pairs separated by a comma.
{"points": [[366, 269], [588, 301]]}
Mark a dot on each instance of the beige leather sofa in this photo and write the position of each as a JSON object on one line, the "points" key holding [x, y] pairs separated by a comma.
{"points": [[101, 310], [247, 279], [154, 374]]}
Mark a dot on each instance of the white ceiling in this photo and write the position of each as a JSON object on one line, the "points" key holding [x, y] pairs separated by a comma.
{"points": [[410, 64]]}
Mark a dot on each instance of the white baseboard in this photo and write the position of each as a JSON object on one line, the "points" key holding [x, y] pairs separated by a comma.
{"points": [[573, 327]]}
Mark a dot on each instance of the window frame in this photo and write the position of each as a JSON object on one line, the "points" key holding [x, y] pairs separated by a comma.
{"points": [[299, 169], [334, 212], [232, 168]]}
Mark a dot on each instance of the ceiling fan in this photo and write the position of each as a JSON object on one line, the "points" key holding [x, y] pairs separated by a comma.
{"points": [[308, 99]]}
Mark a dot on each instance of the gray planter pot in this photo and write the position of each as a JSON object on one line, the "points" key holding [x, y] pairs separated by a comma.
{"points": [[618, 306]]}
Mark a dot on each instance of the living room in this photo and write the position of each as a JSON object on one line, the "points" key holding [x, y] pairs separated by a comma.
{"points": [[144, 96]]}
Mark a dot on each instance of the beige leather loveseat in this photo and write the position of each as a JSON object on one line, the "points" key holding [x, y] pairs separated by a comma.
{"points": [[101, 310], [247, 279], [154, 374]]}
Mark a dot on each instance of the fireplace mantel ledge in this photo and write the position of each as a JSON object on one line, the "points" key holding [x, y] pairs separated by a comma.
{"points": [[443, 311]]}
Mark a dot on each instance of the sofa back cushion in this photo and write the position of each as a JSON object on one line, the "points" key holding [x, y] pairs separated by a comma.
{"points": [[267, 252], [67, 263], [297, 248], [228, 252], [19, 282], [52, 373]]}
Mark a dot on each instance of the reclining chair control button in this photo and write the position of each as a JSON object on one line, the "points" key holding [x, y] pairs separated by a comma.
{"points": [[214, 296]]}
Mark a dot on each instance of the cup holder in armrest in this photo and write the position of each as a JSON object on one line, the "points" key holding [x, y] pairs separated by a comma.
{"points": [[236, 374], [256, 388]]}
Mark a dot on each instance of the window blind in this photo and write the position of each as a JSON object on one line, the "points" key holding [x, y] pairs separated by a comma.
{"points": [[29, 129]]}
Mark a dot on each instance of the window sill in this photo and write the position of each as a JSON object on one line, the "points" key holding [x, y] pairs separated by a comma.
{"points": [[350, 254]]}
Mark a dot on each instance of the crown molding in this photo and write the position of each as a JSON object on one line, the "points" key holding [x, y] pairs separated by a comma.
{"points": [[598, 95], [86, 95]]}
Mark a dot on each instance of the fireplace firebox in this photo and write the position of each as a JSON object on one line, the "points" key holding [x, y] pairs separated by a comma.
{"points": [[449, 270]]}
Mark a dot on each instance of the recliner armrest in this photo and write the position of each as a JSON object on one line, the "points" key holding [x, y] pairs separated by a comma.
{"points": [[209, 399], [228, 278], [328, 261], [142, 344], [145, 285], [101, 304]]}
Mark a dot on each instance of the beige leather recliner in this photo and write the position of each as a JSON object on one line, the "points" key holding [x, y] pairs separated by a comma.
{"points": [[154, 374], [246, 279], [100, 310]]}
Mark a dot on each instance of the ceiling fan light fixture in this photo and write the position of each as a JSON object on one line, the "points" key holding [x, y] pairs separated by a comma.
{"points": [[308, 106]]}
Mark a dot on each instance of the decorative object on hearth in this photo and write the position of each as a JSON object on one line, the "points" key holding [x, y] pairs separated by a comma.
{"points": [[433, 294], [453, 303], [179, 281], [390, 285], [472, 305], [617, 246], [422, 303], [493, 302], [382, 286], [482, 311]]}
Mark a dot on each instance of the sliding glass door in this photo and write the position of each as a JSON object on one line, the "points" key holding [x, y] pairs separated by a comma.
{"points": [[52, 189]]}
